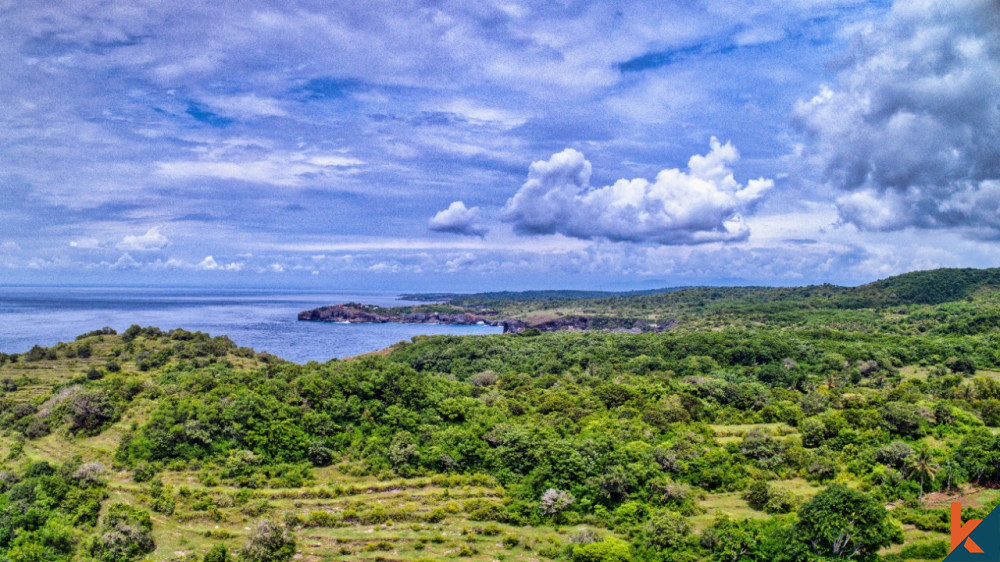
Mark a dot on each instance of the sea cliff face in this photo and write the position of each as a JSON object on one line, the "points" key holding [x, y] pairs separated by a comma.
{"points": [[355, 313]]}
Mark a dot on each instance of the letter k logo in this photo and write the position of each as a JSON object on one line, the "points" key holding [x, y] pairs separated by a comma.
{"points": [[960, 532]]}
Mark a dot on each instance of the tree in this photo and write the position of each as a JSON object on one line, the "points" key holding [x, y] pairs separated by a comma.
{"points": [[990, 411], [921, 465], [731, 540], [553, 501], [90, 411], [666, 530], [844, 523]]}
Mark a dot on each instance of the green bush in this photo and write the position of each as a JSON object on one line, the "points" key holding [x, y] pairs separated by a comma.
{"points": [[762, 496], [218, 553], [926, 550], [610, 549], [269, 541], [125, 534]]}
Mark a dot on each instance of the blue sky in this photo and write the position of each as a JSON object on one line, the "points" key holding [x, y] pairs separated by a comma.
{"points": [[486, 145]]}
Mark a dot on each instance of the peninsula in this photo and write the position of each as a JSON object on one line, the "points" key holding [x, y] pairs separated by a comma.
{"points": [[426, 314]]}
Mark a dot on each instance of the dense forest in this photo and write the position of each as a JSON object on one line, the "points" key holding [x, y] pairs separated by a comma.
{"points": [[812, 423]]}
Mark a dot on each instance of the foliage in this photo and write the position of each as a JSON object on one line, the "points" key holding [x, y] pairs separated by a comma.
{"points": [[43, 507], [125, 534], [269, 541], [844, 523], [608, 550]]}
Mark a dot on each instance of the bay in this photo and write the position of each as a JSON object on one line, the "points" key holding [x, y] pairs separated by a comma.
{"points": [[265, 320]]}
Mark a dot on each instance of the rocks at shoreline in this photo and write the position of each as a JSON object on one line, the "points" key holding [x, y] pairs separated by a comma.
{"points": [[358, 313]]}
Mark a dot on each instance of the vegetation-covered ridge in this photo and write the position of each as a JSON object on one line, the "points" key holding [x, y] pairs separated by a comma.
{"points": [[695, 307], [827, 433]]}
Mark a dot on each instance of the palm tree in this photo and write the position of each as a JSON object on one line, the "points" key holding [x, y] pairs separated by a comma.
{"points": [[921, 464]]}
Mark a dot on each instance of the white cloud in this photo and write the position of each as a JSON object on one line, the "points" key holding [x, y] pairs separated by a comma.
{"points": [[247, 105], [85, 243], [459, 220], [471, 110], [126, 262], [538, 245], [704, 204], [279, 168], [209, 264], [910, 128], [152, 240], [460, 263]]}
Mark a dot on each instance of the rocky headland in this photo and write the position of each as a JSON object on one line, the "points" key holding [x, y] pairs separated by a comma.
{"points": [[357, 313]]}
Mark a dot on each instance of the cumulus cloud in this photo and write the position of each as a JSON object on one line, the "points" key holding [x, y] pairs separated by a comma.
{"points": [[125, 262], [703, 204], [910, 130], [152, 240], [209, 264], [459, 220]]}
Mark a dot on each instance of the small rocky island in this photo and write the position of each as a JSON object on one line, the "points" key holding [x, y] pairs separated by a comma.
{"points": [[356, 313]]}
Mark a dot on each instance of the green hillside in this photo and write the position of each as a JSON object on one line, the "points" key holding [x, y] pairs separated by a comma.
{"points": [[745, 433], [905, 304]]}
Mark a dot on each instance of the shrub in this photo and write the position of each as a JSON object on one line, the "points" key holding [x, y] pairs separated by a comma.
{"points": [[89, 473], [319, 454], [269, 541], [218, 553], [486, 378], [89, 412], [126, 534], [610, 549], [765, 497], [929, 550], [436, 515], [143, 472], [554, 501], [990, 411]]}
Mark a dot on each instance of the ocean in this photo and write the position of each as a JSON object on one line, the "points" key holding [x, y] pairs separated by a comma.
{"points": [[265, 320]]}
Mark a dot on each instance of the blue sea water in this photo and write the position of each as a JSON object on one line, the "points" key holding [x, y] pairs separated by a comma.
{"points": [[265, 320]]}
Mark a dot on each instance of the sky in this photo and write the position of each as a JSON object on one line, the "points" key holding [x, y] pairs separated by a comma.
{"points": [[468, 146]]}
